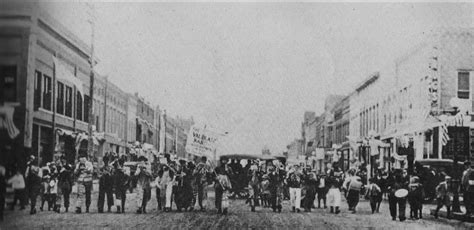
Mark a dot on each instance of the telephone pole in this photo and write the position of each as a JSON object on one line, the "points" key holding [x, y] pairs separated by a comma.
{"points": [[90, 146]]}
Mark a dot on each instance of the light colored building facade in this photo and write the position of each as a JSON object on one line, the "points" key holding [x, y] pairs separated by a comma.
{"points": [[308, 132], [110, 109], [295, 152], [131, 133], [341, 123], [407, 103], [170, 135], [157, 125]]}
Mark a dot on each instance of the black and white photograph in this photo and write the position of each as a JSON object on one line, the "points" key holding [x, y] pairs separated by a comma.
{"points": [[243, 114]]}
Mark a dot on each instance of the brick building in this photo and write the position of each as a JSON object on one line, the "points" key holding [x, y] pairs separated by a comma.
{"points": [[145, 118], [33, 39]]}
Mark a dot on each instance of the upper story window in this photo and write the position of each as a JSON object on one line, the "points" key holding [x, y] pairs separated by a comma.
{"points": [[79, 106], [68, 101], [463, 85], [47, 92], [8, 81], [60, 98], [38, 84]]}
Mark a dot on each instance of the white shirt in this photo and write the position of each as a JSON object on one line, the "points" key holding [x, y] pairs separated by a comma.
{"points": [[17, 181], [322, 183]]}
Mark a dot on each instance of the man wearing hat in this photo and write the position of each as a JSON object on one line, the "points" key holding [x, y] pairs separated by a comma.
{"points": [[295, 182], [121, 179], [105, 186], [200, 174], [322, 189], [222, 170], [34, 182], [353, 185], [254, 188], [144, 179], [468, 187], [276, 180], [65, 182], [83, 172], [397, 183], [444, 195]]}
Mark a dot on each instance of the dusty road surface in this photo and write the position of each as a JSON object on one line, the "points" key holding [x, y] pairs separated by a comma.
{"points": [[239, 217]]}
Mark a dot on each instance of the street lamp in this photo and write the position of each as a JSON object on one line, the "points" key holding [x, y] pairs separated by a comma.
{"points": [[456, 104]]}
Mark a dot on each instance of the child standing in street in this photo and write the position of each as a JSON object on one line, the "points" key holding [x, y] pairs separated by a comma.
{"points": [[53, 192], [45, 188], [415, 198], [265, 184]]}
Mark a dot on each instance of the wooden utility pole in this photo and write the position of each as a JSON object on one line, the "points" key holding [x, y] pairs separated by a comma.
{"points": [[90, 146]]}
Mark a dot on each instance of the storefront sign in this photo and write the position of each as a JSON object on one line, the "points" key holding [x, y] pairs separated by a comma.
{"points": [[319, 153]]}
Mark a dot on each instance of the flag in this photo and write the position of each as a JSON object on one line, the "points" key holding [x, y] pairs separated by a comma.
{"points": [[444, 134], [62, 73], [6, 121]]}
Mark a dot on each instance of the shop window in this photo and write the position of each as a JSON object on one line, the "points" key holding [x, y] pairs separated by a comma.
{"points": [[37, 96], [60, 99], [68, 97], [47, 93], [463, 85]]}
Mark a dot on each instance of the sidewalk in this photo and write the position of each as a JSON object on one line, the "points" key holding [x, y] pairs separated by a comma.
{"points": [[455, 215]]}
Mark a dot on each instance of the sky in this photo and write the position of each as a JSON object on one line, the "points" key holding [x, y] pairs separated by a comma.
{"points": [[249, 68]]}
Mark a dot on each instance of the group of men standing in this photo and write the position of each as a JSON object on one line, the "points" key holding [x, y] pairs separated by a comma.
{"points": [[180, 182], [184, 184]]}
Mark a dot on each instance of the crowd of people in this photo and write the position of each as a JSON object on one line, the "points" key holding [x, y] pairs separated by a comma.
{"points": [[264, 184]]}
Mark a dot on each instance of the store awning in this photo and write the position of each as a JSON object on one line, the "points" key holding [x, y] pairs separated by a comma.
{"points": [[408, 128], [63, 132]]}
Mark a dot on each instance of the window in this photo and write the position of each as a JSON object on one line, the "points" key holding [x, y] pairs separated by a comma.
{"points": [[47, 93], [8, 83], [97, 123], [79, 107], [37, 96], [60, 99], [86, 108], [68, 96], [463, 85], [377, 118]]}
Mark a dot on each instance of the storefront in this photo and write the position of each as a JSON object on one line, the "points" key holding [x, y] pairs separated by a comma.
{"points": [[9, 137], [343, 154]]}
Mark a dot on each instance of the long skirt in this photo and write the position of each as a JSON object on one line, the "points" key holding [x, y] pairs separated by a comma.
{"points": [[334, 197]]}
